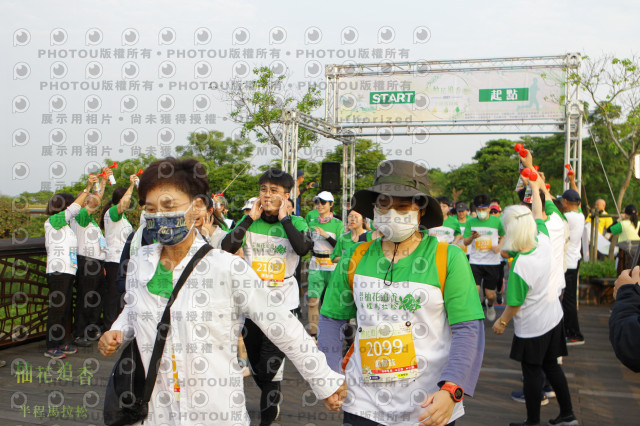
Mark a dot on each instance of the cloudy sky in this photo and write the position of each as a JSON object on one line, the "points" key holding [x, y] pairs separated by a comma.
{"points": [[82, 81]]}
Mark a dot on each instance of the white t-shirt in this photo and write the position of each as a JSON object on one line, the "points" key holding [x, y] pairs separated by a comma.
{"points": [[480, 250], [559, 236], [116, 229], [91, 242], [61, 242], [531, 288], [576, 228]]}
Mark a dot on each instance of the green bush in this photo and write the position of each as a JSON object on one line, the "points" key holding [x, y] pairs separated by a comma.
{"points": [[601, 269]]}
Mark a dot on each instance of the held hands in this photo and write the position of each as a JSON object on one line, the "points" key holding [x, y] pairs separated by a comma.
{"points": [[109, 342], [475, 235], [626, 277], [335, 401], [132, 180], [440, 409]]}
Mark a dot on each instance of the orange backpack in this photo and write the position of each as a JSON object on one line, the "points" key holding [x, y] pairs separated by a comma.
{"points": [[361, 249]]}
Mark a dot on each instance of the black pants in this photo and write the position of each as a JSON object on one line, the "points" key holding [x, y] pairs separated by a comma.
{"points": [[265, 359], [533, 382], [112, 299], [89, 302], [355, 420], [570, 303], [60, 303]]}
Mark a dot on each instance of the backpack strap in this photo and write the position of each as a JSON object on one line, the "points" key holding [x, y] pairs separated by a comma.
{"points": [[360, 250], [441, 264]]}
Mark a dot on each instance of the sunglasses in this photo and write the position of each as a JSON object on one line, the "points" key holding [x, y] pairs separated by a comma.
{"points": [[320, 201]]}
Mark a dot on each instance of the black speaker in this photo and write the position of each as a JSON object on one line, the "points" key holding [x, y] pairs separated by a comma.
{"points": [[330, 178]]}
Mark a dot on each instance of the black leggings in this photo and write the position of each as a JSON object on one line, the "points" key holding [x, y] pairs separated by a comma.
{"points": [[89, 302], [533, 382], [265, 359], [60, 303], [112, 299]]}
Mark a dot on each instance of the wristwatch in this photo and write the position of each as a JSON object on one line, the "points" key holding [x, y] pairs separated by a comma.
{"points": [[456, 392]]}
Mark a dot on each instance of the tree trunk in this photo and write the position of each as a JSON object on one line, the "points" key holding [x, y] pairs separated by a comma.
{"points": [[625, 184]]}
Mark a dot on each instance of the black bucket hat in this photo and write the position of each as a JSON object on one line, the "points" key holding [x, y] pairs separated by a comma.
{"points": [[400, 178]]}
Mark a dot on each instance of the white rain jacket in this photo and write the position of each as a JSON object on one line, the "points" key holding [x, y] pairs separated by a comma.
{"points": [[206, 320]]}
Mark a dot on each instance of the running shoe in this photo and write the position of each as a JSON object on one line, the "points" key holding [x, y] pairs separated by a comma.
{"points": [[54, 353], [519, 397], [68, 349], [564, 421]]}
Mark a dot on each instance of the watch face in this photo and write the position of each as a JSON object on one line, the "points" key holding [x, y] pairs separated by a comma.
{"points": [[458, 394]]}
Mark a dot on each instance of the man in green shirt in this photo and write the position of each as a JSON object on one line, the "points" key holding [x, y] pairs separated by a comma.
{"points": [[483, 235]]}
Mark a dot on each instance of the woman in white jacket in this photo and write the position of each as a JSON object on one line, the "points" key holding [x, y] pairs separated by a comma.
{"points": [[199, 380]]}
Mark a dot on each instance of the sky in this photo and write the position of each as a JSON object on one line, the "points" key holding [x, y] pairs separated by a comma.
{"points": [[64, 108]]}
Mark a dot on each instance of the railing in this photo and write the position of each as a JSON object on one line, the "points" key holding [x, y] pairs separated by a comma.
{"points": [[24, 294]]}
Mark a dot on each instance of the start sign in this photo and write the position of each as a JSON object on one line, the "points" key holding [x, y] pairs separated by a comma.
{"points": [[386, 98]]}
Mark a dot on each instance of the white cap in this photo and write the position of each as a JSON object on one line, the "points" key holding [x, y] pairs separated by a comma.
{"points": [[249, 203], [324, 195]]}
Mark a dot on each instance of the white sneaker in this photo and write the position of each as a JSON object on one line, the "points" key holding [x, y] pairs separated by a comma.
{"points": [[491, 313]]}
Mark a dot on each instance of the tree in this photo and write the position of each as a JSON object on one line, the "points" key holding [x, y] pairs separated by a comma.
{"points": [[613, 85], [215, 149], [258, 105], [493, 172]]}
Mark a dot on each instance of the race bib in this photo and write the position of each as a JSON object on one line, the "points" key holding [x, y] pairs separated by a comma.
{"points": [[270, 269], [73, 257], [387, 353], [324, 261], [483, 244]]}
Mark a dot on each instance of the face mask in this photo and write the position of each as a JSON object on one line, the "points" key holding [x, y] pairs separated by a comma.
{"points": [[394, 226], [168, 228], [483, 215]]}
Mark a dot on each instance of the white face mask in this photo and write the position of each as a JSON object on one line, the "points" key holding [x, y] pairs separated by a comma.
{"points": [[483, 215], [394, 226]]}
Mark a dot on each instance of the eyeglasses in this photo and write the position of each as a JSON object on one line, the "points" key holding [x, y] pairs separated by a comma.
{"points": [[168, 208], [267, 190]]}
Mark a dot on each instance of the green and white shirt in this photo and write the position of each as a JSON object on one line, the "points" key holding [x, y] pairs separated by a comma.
{"points": [[313, 214], [345, 243], [490, 231], [413, 297], [320, 244], [61, 242], [116, 230], [448, 231], [626, 230], [91, 242], [531, 288], [266, 247]]}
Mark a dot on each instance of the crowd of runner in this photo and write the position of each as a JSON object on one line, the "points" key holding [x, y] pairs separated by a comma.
{"points": [[396, 297]]}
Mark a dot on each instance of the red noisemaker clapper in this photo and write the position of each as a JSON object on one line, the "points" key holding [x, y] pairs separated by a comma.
{"points": [[138, 179], [520, 149]]}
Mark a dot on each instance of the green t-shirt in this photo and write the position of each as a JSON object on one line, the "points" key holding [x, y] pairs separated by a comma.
{"points": [[345, 243], [313, 214], [161, 284], [461, 300]]}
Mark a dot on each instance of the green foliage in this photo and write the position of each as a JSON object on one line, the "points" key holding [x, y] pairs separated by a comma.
{"points": [[258, 105], [602, 269], [13, 217]]}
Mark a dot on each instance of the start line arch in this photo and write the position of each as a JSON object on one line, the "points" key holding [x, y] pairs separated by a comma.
{"points": [[520, 95]]}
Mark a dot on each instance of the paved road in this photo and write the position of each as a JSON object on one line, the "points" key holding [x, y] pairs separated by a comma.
{"points": [[603, 391]]}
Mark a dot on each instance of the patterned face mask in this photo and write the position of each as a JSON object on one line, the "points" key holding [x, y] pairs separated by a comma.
{"points": [[168, 228]]}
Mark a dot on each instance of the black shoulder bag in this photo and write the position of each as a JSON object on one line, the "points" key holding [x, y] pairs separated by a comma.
{"points": [[126, 400]]}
